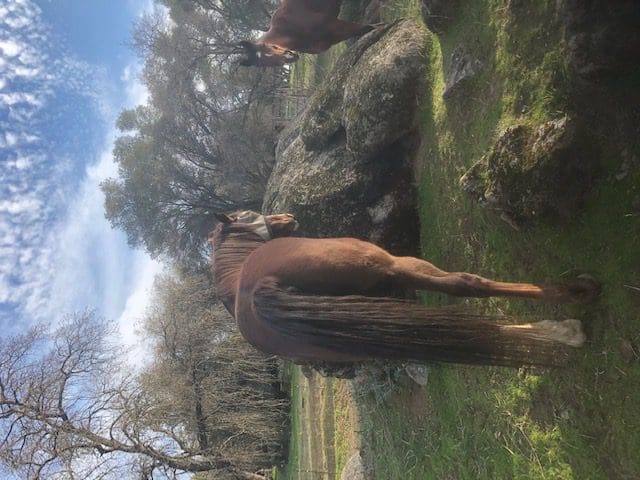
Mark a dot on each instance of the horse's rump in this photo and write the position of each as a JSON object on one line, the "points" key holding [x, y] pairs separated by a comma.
{"points": [[387, 328]]}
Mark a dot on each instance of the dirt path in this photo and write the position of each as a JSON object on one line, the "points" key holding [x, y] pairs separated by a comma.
{"points": [[328, 427]]}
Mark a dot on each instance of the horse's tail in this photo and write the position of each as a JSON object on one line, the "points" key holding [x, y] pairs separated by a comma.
{"points": [[386, 328]]}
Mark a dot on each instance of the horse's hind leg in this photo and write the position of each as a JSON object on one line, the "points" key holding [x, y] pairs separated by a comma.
{"points": [[422, 275]]}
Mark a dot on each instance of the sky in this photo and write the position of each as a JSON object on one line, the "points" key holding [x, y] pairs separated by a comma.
{"points": [[65, 74]]}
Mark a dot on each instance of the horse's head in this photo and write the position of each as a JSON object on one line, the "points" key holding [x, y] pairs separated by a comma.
{"points": [[266, 226], [266, 55]]}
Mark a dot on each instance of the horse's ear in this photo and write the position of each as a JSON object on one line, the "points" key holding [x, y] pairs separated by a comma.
{"points": [[221, 217]]}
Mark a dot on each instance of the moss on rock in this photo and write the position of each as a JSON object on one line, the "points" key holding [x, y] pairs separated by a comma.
{"points": [[533, 172], [345, 165]]}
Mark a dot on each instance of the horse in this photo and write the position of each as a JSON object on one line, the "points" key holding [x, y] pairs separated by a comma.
{"points": [[323, 301], [309, 26]]}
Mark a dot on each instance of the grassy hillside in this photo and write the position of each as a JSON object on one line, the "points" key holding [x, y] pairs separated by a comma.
{"points": [[582, 422]]}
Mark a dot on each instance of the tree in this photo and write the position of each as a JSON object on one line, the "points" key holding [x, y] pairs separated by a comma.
{"points": [[208, 380], [69, 410], [206, 141]]}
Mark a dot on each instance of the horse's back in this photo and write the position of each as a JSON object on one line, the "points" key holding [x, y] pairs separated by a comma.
{"points": [[323, 266]]}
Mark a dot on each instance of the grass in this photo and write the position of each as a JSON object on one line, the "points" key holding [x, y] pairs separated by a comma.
{"points": [[322, 426], [293, 457], [581, 422]]}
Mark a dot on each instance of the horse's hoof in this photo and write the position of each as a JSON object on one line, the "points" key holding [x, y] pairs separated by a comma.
{"points": [[587, 288]]}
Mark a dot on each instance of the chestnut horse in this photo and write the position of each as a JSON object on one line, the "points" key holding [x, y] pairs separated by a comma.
{"points": [[309, 26], [320, 300]]}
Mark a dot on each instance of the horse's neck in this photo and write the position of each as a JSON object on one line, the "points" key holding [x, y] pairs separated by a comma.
{"points": [[229, 255], [283, 26]]}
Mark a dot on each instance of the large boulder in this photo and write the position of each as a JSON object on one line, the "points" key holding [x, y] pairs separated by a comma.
{"points": [[533, 172], [344, 166]]}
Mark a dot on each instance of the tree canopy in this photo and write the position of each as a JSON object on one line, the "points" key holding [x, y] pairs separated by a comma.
{"points": [[205, 141]]}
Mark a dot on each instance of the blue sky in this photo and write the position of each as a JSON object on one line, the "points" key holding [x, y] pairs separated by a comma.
{"points": [[65, 74]]}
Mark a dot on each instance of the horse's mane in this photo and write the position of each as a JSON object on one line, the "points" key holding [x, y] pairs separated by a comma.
{"points": [[232, 244]]}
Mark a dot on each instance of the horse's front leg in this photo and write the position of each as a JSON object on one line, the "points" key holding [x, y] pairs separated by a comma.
{"points": [[421, 275]]}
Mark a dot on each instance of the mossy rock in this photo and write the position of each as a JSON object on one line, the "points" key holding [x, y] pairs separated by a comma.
{"points": [[535, 172], [344, 166]]}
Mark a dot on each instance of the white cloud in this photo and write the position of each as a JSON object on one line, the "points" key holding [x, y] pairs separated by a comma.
{"points": [[135, 309], [57, 251], [10, 48], [23, 205], [14, 98], [20, 163], [5, 291]]}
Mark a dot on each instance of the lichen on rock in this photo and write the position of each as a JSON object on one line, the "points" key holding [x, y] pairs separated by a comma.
{"points": [[344, 166], [535, 172]]}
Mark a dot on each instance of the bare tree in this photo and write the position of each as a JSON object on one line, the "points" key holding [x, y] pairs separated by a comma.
{"points": [[208, 380], [69, 410]]}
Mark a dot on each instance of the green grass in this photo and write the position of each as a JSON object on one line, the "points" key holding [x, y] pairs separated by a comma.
{"points": [[581, 422], [292, 466]]}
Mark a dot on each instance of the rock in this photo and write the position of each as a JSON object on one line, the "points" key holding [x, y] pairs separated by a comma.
{"points": [[462, 69], [603, 38], [372, 12], [344, 166], [438, 14], [354, 469], [530, 172], [418, 372], [345, 371]]}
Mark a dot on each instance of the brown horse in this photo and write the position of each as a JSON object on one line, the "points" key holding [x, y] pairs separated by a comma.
{"points": [[310, 26], [320, 300]]}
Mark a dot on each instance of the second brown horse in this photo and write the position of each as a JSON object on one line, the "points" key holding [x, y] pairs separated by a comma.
{"points": [[321, 300], [309, 26]]}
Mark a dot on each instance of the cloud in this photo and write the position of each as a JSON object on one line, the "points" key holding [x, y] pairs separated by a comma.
{"points": [[10, 48], [20, 206], [57, 115], [135, 310]]}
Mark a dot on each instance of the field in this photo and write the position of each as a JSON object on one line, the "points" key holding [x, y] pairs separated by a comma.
{"points": [[580, 422]]}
